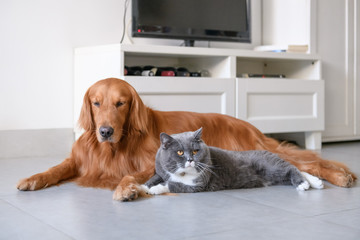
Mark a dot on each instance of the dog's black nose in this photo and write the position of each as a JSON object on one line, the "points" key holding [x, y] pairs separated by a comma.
{"points": [[106, 132]]}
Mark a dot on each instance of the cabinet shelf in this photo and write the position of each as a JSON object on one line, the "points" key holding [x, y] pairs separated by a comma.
{"points": [[223, 62]]}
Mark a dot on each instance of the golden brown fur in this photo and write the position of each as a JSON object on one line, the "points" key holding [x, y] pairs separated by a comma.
{"points": [[126, 158]]}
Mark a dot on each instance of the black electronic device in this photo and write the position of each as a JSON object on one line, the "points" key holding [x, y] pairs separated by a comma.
{"points": [[260, 75], [147, 67], [134, 71], [182, 72], [206, 20], [165, 71], [195, 74]]}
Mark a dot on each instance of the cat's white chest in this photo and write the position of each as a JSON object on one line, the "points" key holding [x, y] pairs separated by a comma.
{"points": [[185, 176]]}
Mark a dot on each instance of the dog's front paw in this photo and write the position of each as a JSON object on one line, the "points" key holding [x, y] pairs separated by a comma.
{"points": [[35, 182], [127, 190], [127, 193]]}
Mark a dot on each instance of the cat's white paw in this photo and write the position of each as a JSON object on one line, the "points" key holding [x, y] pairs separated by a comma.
{"points": [[315, 182], [305, 185], [158, 189], [144, 188]]}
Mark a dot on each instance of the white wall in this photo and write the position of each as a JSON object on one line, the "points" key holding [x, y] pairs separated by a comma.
{"points": [[286, 22], [37, 39]]}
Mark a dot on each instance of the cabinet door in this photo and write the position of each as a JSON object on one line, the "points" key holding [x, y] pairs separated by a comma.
{"points": [[335, 44], [282, 105], [357, 71], [205, 95]]}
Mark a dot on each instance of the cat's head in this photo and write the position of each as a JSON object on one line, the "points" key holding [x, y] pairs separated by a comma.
{"points": [[184, 151]]}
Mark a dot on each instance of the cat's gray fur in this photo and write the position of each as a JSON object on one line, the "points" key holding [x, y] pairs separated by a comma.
{"points": [[216, 169]]}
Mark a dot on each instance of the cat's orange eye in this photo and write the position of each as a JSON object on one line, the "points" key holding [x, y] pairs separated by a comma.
{"points": [[180, 153], [194, 152]]}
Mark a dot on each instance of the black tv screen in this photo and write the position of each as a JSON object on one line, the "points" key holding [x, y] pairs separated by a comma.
{"points": [[207, 20]]}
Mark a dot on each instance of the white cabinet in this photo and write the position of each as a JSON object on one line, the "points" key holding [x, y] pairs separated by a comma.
{"points": [[338, 43], [274, 105]]}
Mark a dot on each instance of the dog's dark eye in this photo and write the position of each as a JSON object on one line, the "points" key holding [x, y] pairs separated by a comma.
{"points": [[119, 104], [96, 104]]}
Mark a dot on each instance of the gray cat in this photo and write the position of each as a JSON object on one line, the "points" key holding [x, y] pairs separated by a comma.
{"points": [[185, 164]]}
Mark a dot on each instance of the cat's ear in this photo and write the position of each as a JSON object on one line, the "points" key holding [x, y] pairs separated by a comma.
{"points": [[165, 140], [197, 134]]}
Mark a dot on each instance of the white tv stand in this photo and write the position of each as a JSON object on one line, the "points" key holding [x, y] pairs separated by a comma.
{"points": [[274, 105]]}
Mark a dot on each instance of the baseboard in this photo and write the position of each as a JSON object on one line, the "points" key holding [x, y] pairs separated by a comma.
{"points": [[35, 143], [341, 138]]}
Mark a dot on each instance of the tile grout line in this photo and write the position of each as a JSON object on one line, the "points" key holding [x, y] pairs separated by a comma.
{"points": [[339, 211], [35, 218]]}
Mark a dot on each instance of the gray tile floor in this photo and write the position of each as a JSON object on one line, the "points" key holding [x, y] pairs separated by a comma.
{"points": [[279, 212]]}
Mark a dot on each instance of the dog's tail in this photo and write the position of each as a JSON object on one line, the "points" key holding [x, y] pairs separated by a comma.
{"points": [[308, 161]]}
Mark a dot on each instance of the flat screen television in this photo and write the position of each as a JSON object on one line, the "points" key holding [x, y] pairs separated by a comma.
{"points": [[190, 20]]}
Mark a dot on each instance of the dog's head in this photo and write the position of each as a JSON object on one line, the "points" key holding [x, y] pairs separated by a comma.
{"points": [[112, 108]]}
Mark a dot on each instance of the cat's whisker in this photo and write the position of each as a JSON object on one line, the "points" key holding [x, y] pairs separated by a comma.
{"points": [[203, 173], [205, 167], [214, 166]]}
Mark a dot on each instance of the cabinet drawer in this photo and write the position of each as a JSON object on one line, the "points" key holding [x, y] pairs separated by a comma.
{"points": [[281, 105], [204, 95]]}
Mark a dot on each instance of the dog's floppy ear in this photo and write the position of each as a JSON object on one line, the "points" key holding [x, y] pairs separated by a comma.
{"points": [[138, 115], [86, 119]]}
